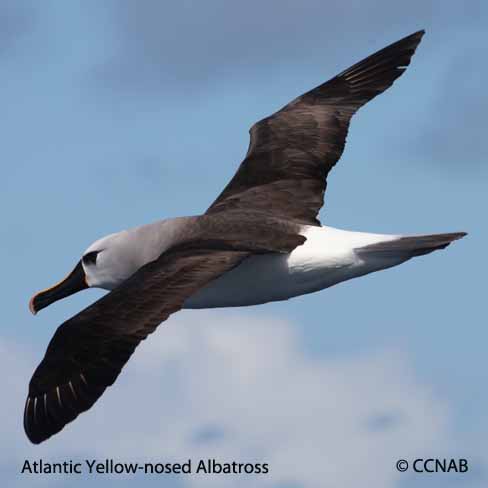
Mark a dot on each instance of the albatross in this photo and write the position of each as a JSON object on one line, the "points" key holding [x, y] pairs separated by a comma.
{"points": [[259, 241]]}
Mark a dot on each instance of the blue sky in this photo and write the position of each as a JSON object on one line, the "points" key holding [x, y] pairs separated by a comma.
{"points": [[121, 113]]}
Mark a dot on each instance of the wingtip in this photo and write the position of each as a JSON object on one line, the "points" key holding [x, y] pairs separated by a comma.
{"points": [[28, 422], [415, 37], [419, 34]]}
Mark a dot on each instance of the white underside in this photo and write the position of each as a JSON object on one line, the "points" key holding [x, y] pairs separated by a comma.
{"points": [[325, 259]]}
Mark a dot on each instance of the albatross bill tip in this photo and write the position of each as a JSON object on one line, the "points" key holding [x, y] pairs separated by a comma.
{"points": [[74, 282], [31, 305]]}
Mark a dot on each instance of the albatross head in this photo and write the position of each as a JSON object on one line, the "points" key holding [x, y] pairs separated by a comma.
{"points": [[105, 264]]}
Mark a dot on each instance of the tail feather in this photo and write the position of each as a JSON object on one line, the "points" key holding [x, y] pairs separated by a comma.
{"points": [[410, 246]]}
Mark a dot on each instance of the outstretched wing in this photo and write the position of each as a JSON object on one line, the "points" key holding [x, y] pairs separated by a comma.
{"points": [[292, 151], [88, 351]]}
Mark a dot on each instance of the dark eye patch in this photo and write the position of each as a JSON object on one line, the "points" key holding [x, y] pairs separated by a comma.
{"points": [[90, 258]]}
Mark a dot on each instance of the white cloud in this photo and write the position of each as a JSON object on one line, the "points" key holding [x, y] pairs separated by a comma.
{"points": [[237, 387]]}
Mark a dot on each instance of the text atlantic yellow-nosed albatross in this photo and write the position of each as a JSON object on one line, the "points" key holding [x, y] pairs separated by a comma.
{"points": [[260, 241]]}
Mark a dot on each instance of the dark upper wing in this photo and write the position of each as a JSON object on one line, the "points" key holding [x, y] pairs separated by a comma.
{"points": [[292, 151], [88, 351]]}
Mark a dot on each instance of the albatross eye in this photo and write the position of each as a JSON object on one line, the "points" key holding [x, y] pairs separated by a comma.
{"points": [[90, 258]]}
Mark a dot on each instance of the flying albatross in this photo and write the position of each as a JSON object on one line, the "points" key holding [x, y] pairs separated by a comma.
{"points": [[259, 241]]}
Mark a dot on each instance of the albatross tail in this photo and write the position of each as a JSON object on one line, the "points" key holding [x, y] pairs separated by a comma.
{"points": [[409, 246]]}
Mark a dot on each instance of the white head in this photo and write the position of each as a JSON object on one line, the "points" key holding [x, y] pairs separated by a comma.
{"points": [[105, 264], [110, 261]]}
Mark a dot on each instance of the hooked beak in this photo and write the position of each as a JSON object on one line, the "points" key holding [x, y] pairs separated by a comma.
{"points": [[75, 281]]}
